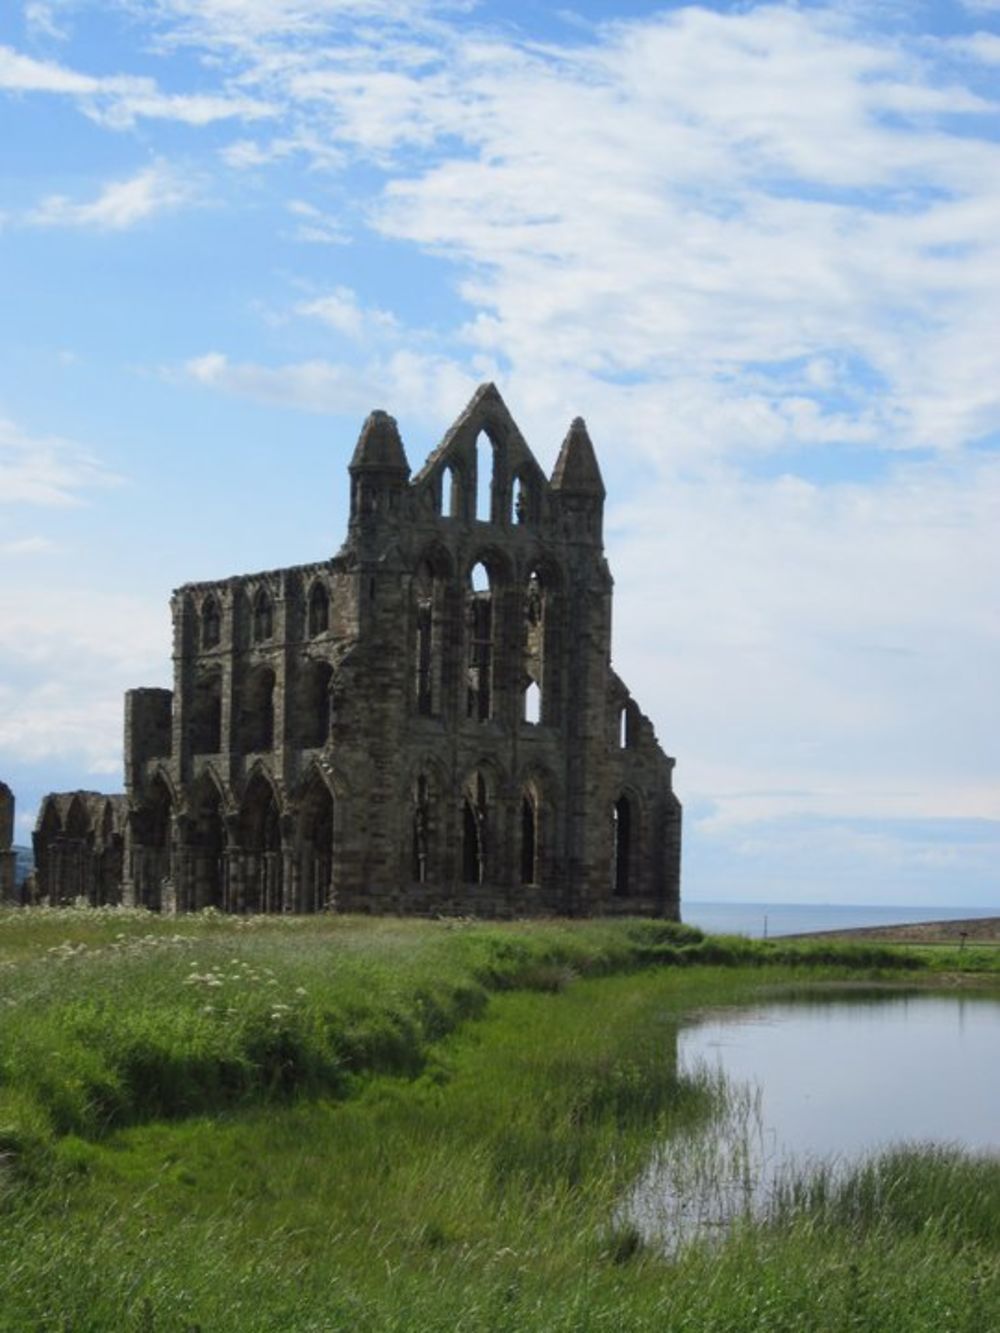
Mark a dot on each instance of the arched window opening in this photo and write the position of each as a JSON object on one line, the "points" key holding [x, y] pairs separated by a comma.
{"points": [[534, 649], [520, 501], [211, 623], [474, 825], [316, 848], [622, 847], [628, 726], [479, 627], [78, 821], [532, 703], [484, 478], [423, 592], [319, 609], [420, 849], [312, 704], [150, 856], [206, 844], [428, 593], [529, 840], [205, 727], [260, 835], [451, 494], [263, 617], [256, 724]]}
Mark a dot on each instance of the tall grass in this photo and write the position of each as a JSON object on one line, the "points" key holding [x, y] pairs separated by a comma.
{"points": [[361, 1156]]}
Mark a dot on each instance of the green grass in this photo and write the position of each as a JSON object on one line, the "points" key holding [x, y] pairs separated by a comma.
{"points": [[437, 1134]]}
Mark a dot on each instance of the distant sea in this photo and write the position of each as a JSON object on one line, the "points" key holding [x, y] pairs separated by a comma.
{"points": [[768, 919]]}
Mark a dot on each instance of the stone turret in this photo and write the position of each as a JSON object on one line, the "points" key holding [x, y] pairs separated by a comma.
{"points": [[578, 485], [379, 469]]}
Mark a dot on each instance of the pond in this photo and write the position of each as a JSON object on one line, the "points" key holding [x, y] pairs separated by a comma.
{"points": [[815, 1085]]}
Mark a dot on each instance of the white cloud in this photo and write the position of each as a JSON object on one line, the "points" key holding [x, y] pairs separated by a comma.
{"points": [[23, 74], [981, 46], [819, 650], [429, 385], [315, 226], [46, 470], [341, 311], [27, 546], [68, 655], [121, 204], [119, 100]]}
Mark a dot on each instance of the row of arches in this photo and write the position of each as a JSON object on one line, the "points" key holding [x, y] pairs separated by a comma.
{"points": [[475, 486], [493, 665], [78, 846], [257, 613], [253, 859], [308, 709]]}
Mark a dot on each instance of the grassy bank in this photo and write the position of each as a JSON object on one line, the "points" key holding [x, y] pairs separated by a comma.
{"points": [[314, 1135]]}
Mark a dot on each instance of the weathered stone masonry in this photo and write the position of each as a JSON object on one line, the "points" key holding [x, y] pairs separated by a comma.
{"points": [[7, 856], [427, 722]]}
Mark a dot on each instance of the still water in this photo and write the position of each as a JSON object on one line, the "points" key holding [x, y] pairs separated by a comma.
{"points": [[821, 1084]]}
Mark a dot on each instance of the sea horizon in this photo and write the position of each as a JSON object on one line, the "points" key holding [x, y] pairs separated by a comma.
{"points": [[767, 920]]}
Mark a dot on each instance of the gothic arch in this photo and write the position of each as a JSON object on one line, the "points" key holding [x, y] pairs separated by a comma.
{"points": [[259, 825], [626, 843], [263, 616], [205, 725], [318, 610], [256, 714], [314, 842], [211, 622], [152, 826], [421, 798], [206, 842], [310, 703]]}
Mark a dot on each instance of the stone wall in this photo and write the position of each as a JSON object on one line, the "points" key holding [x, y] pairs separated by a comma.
{"points": [[8, 892]]}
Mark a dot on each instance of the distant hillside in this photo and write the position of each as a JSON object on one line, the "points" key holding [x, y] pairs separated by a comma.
{"points": [[24, 864]]}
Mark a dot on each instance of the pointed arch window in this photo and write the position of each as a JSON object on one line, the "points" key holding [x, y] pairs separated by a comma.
{"points": [[479, 629], [536, 671], [256, 721], [475, 822], [628, 726], [621, 856], [451, 493], [421, 831], [428, 635], [319, 609], [529, 838], [520, 501], [315, 847], [263, 616], [206, 713], [311, 704], [485, 465], [211, 623]]}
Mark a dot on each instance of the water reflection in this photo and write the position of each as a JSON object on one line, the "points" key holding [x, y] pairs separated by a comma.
{"points": [[817, 1085]]}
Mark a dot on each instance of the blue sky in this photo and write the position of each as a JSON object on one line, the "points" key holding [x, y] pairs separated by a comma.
{"points": [[757, 246]]}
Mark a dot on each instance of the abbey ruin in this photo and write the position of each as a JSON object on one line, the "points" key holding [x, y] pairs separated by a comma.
{"points": [[427, 722]]}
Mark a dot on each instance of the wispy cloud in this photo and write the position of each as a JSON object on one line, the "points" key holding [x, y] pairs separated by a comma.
{"points": [[121, 204], [120, 100], [430, 385], [46, 470]]}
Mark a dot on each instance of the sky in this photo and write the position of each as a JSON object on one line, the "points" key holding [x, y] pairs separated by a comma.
{"points": [[756, 246]]}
